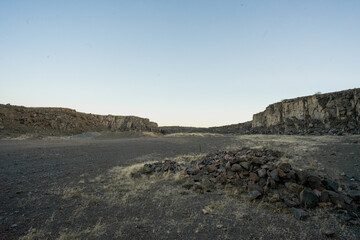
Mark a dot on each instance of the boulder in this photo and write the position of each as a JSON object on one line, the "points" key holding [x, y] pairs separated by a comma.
{"points": [[331, 185], [274, 174], [286, 167], [245, 165], [315, 182], [254, 177], [308, 199], [236, 168]]}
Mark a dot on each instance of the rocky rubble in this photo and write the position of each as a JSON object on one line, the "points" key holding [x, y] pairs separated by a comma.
{"points": [[262, 178]]}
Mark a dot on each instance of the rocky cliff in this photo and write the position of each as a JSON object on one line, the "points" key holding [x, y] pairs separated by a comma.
{"points": [[336, 112], [17, 120], [239, 128]]}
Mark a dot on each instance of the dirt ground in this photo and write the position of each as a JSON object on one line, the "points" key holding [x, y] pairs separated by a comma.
{"points": [[80, 188]]}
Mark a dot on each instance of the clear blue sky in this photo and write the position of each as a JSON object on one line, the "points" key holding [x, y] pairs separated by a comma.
{"points": [[190, 63]]}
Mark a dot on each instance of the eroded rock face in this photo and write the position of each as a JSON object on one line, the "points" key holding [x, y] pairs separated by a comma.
{"points": [[16, 120], [335, 112]]}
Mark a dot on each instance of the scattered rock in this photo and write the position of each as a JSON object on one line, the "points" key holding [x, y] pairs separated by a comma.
{"points": [[228, 166], [275, 175], [301, 177], [256, 187], [328, 232], [192, 171], [274, 198], [325, 196], [211, 168], [236, 168], [286, 167], [293, 187], [290, 203], [315, 182], [147, 169], [308, 199], [336, 199], [331, 185], [354, 194], [254, 177], [262, 173], [282, 174], [219, 226], [253, 195], [245, 165], [299, 213]]}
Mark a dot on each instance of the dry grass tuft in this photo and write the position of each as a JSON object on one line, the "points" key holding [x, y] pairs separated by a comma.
{"points": [[33, 233]]}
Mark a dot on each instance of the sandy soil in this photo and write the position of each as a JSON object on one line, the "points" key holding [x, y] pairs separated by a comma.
{"points": [[80, 188]]}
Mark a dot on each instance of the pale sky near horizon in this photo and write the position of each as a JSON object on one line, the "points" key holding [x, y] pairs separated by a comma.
{"points": [[189, 63]]}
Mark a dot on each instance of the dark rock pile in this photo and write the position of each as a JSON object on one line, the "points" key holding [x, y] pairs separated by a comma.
{"points": [[259, 173]]}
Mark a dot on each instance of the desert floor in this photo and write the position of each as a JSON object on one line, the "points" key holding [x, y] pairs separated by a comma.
{"points": [[81, 188]]}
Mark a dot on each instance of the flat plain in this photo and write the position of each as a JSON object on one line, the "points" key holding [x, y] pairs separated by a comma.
{"points": [[81, 188]]}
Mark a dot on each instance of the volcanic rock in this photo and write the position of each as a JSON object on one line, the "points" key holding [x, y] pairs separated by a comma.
{"points": [[354, 194], [253, 195], [286, 167], [274, 174], [308, 199], [262, 173], [254, 177], [299, 213], [236, 168], [245, 165], [315, 182]]}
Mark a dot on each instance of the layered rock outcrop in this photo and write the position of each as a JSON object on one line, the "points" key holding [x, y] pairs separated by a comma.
{"points": [[336, 112], [17, 120]]}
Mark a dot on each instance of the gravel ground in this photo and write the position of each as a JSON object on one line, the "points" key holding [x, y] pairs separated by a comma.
{"points": [[80, 188]]}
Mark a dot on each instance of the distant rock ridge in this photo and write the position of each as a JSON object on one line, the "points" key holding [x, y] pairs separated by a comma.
{"points": [[18, 120], [333, 113], [330, 113]]}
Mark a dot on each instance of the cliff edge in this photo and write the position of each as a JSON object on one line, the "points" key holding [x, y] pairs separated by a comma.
{"points": [[18, 120], [334, 113]]}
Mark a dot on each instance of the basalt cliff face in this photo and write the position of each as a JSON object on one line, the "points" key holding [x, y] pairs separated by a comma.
{"points": [[18, 120], [334, 113]]}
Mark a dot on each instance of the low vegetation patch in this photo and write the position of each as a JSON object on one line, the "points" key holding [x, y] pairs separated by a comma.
{"points": [[261, 177]]}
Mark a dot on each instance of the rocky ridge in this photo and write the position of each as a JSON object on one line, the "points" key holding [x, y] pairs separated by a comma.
{"points": [[239, 128], [262, 178], [18, 120], [330, 113]]}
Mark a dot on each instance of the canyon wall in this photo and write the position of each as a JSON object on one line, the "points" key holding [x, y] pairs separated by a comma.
{"points": [[17, 120], [337, 112]]}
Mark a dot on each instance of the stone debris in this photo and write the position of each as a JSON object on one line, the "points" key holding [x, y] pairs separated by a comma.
{"points": [[260, 175], [299, 213], [328, 232]]}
